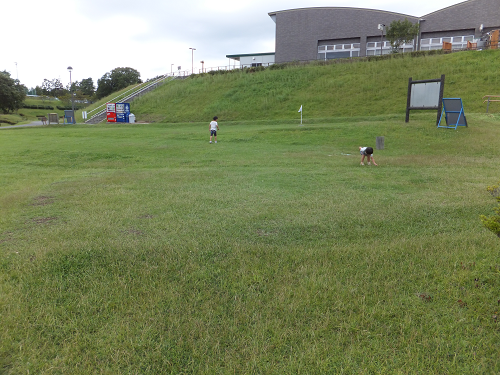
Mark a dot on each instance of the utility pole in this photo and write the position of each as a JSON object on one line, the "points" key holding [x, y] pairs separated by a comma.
{"points": [[71, 92], [381, 28], [192, 59]]}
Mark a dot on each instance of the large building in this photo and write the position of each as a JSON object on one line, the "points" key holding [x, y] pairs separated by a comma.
{"points": [[338, 32]]}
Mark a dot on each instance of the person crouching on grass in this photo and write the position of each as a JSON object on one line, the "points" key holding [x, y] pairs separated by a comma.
{"points": [[213, 129], [368, 152]]}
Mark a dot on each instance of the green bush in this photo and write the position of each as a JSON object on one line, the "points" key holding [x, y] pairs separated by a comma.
{"points": [[34, 106], [8, 122], [277, 66], [493, 222], [66, 108]]}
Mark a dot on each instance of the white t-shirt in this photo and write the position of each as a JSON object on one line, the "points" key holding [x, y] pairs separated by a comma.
{"points": [[213, 125], [362, 151]]}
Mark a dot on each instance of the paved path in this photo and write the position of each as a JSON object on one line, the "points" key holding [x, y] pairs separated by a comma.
{"points": [[34, 123]]}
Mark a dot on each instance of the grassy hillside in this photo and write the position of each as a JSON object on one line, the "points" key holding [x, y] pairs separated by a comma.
{"points": [[336, 90]]}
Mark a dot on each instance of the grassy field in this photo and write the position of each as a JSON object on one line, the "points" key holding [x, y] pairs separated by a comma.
{"points": [[146, 250]]}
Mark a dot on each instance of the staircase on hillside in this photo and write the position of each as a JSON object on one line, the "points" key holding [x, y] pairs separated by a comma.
{"points": [[100, 115]]}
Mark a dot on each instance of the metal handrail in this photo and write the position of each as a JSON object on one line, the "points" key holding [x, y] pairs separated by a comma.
{"points": [[162, 78], [102, 105]]}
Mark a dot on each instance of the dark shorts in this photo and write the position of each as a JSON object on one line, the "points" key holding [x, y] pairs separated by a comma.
{"points": [[213, 132]]}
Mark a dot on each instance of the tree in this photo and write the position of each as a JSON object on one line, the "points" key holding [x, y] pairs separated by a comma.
{"points": [[53, 87], [12, 93], [87, 87], [117, 79], [493, 222], [401, 32]]}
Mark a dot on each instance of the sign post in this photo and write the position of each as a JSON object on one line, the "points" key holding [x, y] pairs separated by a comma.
{"points": [[425, 95]]}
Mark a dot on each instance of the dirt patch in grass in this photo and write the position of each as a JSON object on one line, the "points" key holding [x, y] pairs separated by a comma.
{"points": [[42, 200], [43, 220], [5, 236], [133, 231]]}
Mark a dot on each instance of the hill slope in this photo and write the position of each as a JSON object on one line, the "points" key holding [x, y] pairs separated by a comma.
{"points": [[333, 90]]}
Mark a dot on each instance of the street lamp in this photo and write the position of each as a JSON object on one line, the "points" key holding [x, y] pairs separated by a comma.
{"points": [[71, 92], [171, 67], [419, 36], [202, 64], [381, 28], [192, 59]]}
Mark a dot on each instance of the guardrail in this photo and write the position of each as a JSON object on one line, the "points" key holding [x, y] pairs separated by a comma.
{"points": [[233, 67], [187, 73], [116, 97]]}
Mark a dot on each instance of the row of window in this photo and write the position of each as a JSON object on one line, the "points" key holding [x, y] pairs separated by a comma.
{"points": [[337, 47], [454, 39], [457, 42], [337, 51]]}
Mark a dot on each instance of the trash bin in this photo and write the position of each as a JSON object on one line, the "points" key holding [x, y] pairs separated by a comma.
{"points": [[131, 118]]}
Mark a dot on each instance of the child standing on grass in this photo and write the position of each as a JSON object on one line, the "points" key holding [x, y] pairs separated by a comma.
{"points": [[368, 152], [213, 129]]}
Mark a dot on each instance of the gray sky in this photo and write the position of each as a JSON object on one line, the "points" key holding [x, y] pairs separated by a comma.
{"points": [[96, 36]]}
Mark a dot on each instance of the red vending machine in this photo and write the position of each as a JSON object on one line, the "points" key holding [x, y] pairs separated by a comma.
{"points": [[111, 112]]}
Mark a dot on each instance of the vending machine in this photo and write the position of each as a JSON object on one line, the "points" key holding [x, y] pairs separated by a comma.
{"points": [[122, 112], [111, 112], [117, 112]]}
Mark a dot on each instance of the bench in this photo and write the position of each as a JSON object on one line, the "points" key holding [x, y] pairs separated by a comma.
{"points": [[490, 100]]}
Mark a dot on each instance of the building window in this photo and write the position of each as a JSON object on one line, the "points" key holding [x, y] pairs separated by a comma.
{"points": [[457, 42], [373, 48], [340, 51]]}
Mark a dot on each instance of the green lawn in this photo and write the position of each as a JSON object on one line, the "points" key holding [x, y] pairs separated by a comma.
{"points": [[143, 249]]}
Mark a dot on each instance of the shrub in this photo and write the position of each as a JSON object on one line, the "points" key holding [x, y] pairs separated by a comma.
{"points": [[277, 66], [493, 222], [66, 108], [34, 106]]}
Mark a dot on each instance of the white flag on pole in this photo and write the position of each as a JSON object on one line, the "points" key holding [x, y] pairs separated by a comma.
{"points": [[300, 110]]}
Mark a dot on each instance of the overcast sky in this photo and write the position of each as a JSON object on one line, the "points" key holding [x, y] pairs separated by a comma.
{"points": [[40, 39]]}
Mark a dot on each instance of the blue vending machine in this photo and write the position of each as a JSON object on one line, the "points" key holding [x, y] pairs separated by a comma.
{"points": [[122, 112]]}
